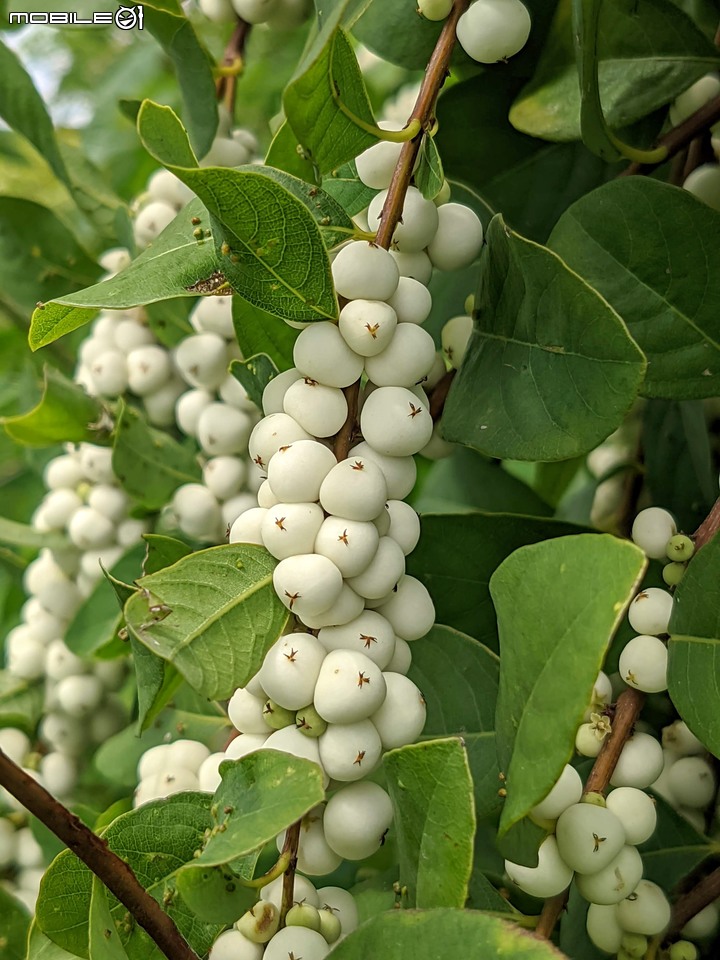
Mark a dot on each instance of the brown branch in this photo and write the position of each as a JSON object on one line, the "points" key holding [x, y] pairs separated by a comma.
{"points": [[94, 852], [341, 446], [550, 914], [709, 527], [290, 849], [681, 136], [627, 710], [439, 395], [689, 905], [226, 86]]}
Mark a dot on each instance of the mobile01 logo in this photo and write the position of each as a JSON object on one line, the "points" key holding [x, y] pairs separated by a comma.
{"points": [[124, 18]]}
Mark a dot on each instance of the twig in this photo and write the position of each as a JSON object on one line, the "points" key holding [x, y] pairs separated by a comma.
{"points": [[709, 527], [341, 446], [681, 136], [550, 914], [290, 849], [689, 905], [94, 852], [627, 710], [226, 85]]}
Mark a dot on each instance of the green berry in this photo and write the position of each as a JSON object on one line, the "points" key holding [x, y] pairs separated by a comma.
{"points": [[330, 926], [683, 950], [634, 944], [309, 722], [303, 915], [469, 304], [680, 547], [673, 573], [276, 716], [260, 923]]}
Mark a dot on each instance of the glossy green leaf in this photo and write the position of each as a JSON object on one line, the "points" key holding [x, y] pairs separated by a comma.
{"points": [[555, 625], [64, 414], [21, 702], [550, 370], [214, 894], [395, 32], [103, 939], [675, 849], [270, 247], [444, 932], [223, 616], [325, 99], [117, 759], [694, 648], [39, 947], [649, 51], [259, 797], [39, 257], [16, 534], [679, 470], [96, 621], [432, 793], [286, 154], [22, 108], [458, 553], [429, 176], [260, 332], [468, 481], [348, 189], [162, 552], [157, 682], [254, 374], [15, 926], [648, 248], [148, 462], [155, 840], [177, 264], [193, 67]]}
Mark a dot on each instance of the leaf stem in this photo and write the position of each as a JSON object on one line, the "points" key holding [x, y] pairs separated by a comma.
{"points": [[232, 65], [94, 852], [290, 851], [279, 868], [679, 137], [709, 527]]}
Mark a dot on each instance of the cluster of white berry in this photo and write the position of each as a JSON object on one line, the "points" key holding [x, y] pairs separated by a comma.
{"points": [[489, 30], [703, 181]]}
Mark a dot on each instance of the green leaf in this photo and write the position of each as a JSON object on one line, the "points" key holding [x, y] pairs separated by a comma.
{"points": [[116, 760], [168, 320], [270, 247], [260, 332], [39, 256], [96, 621], [550, 370], [21, 702], [254, 374], [286, 154], [458, 553], [39, 947], [16, 923], [694, 648], [175, 265], [162, 552], [348, 189], [22, 108], [214, 894], [432, 793], [555, 625], [24, 535], [148, 462], [444, 932], [649, 51], [193, 67], [647, 248], [260, 795], [335, 224], [157, 682], [155, 840], [468, 481], [395, 32], [224, 616], [65, 414], [679, 471], [429, 176], [104, 939], [326, 98], [574, 939], [675, 849]]}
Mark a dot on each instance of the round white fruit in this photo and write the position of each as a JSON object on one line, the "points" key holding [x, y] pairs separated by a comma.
{"points": [[367, 326], [492, 30], [307, 583], [651, 530], [356, 820], [298, 469], [589, 837], [365, 270], [649, 613], [615, 881], [636, 810], [291, 668], [350, 751], [289, 529], [409, 609], [322, 353], [643, 664], [354, 489], [550, 877], [318, 409], [645, 911], [640, 762], [458, 239], [566, 791], [350, 687]]}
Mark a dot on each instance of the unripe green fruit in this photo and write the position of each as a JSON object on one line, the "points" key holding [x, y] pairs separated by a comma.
{"points": [[434, 9], [276, 716], [260, 923], [673, 573], [680, 547], [330, 926], [309, 722], [683, 950], [634, 944], [303, 915]]}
